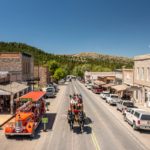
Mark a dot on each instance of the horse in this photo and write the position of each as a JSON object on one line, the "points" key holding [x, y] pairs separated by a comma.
{"points": [[71, 118], [81, 120]]}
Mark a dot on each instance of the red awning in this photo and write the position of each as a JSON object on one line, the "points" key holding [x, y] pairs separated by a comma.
{"points": [[34, 95]]}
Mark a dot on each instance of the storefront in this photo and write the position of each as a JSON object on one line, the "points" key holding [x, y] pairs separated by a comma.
{"points": [[8, 94]]}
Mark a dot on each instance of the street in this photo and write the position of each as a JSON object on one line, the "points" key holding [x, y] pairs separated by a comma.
{"points": [[104, 128]]}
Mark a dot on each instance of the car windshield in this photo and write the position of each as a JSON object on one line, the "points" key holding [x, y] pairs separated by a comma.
{"points": [[49, 90], [114, 96], [128, 104], [145, 117]]}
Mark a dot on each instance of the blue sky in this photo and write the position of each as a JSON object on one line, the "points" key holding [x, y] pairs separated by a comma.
{"points": [[115, 27]]}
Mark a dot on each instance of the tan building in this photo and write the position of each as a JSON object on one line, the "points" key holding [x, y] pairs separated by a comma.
{"points": [[106, 77], [142, 79], [19, 65], [127, 76]]}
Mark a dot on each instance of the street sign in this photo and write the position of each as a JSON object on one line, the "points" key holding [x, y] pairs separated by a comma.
{"points": [[45, 120]]}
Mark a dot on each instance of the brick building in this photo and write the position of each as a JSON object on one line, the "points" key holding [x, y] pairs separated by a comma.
{"points": [[43, 74], [19, 65]]}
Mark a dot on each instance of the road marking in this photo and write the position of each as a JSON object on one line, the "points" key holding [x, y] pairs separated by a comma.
{"points": [[93, 136], [94, 139]]}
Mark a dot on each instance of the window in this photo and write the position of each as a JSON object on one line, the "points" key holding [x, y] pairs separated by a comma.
{"points": [[138, 73], [136, 94], [142, 73], [145, 117], [148, 74], [137, 114]]}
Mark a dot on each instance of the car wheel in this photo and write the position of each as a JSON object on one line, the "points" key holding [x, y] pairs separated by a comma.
{"points": [[134, 126], [125, 119]]}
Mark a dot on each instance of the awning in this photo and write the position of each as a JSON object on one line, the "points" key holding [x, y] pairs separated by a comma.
{"points": [[4, 93], [108, 85], [133, 88], [121, 87], [97, 82], [14, 87]]}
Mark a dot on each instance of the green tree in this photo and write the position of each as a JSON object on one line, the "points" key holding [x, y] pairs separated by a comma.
{"points": [[53, 66], [59, 74]]}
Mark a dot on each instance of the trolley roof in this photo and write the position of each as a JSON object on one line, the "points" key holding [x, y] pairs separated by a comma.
{"points": [[34, 95]]}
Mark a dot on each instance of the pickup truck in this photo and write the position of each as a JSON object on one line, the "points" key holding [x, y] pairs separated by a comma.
{"points": [[124, 104], [138, 118]]}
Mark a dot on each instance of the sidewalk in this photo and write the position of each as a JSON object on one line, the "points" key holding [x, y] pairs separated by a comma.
{"points": [[141, 106], [4, 118]]}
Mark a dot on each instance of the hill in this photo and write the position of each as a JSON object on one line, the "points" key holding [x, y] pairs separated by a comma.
{"points": [[88, 61]]}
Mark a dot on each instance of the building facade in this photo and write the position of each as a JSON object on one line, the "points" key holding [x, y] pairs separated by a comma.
{"points": [[19, 65], [107, 77], [142, 79], [43, 74]]}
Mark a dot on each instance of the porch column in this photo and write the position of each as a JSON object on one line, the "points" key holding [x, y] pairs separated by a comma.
{"points": [[11, 103]]}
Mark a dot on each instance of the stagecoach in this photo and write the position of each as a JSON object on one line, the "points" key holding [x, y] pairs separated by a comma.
{"points": [[76, 114]]}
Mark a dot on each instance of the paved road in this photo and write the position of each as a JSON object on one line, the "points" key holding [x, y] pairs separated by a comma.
{"points": [[103, 130]]}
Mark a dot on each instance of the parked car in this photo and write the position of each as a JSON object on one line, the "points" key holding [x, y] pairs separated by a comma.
{"points": [[62, 81], [89, 86], [112, 99], [124, 104], [86, 84], [139, 119], [50, 91], [96, 89], [104, 94], [53, 85]]}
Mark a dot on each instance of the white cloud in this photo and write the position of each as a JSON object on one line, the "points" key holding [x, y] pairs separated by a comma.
{"points": [[148, 46]]}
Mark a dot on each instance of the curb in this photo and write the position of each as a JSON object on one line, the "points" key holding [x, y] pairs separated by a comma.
{"points": [[7, 121]]}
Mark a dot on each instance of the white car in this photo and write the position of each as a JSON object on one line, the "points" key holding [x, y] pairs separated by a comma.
{"points": [[138, 118], [104, 94], [112, 99], [89, 86]]}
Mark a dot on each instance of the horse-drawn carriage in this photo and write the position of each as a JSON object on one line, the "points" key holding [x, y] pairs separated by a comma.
{"points": [[76, 114]]}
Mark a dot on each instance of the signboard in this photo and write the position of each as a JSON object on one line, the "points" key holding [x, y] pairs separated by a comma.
{"points": [[45, 120], [25, 99]]}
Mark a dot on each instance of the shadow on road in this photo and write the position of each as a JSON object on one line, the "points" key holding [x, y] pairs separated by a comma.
{"points": [[144, 132], [51, 119], [86, 129], [88, 121]]}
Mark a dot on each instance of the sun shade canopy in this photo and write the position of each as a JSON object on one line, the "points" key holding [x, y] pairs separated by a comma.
{"points": [[121, 87]]}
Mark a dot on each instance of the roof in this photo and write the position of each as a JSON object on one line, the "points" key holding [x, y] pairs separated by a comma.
{"points": [[121, 87], [102, 74], [108, 85], [13, 87], [141, 57], [34, 95], [99, 82]]}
